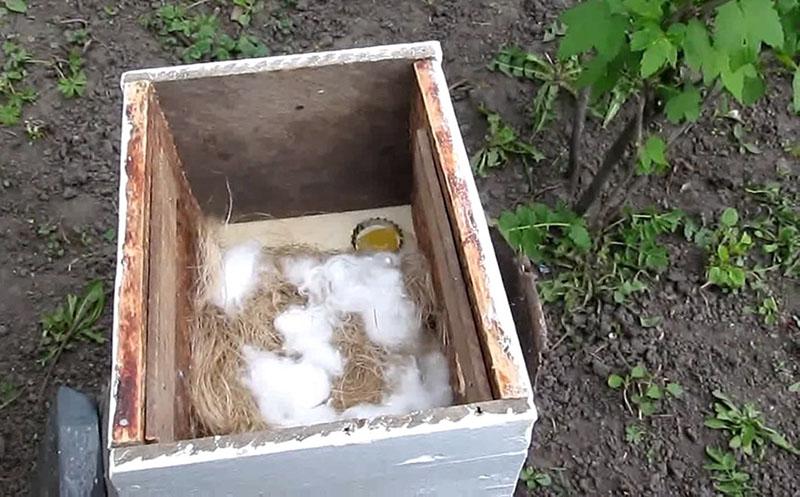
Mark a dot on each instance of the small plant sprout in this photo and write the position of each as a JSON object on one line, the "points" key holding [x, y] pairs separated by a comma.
{"points": [[71, 78], [13, 96], [745, 426], [634, 434], [641, 389], [502, 144], [779, 227], [535, 479], [727, 478], [768, 310], [8, 393], [243, 11], [728, 247], [794, 387], [72, 322]]}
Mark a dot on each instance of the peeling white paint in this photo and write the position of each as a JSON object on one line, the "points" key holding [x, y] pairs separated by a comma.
{"points": [[187, 454], [410, 51], [422, 459]]}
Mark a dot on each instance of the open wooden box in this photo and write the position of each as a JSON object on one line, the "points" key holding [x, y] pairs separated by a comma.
{"points": [[294, 136]]}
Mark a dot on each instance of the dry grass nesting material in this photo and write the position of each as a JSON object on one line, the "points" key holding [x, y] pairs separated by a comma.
{"points": [[222, 404]]}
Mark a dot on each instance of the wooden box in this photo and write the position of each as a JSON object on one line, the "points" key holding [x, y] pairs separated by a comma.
{"points": [[293, 136]]}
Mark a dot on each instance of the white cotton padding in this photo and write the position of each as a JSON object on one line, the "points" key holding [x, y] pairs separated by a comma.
{"points": [[308, 331], [287, 392], [240, 269], [414, 387], [373, 287]]}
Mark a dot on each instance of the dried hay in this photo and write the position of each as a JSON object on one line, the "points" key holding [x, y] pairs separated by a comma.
{"points": [[221, 403]]}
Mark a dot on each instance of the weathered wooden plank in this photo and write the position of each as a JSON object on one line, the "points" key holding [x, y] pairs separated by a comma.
{"points": [[492, 315], [435, 238], [162, 292], [127, 420], [455, 451]]}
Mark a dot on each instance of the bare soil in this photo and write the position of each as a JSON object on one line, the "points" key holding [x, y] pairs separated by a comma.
{"points": [[707, 340]]}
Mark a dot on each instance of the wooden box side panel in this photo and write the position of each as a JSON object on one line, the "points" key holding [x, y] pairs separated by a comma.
{"points": [[174, 224], [126, 402], [469, 380], [507, 370], [460, 452]]}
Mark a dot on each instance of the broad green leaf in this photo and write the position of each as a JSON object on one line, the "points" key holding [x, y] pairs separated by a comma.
{"points": [[674, 389], [684, 106], [647, 408], [796, 90], [781, 442], [18, 6], [655, 148], [730, 217], [580, 236], [649, 322], [696, 45], [657, 55], [645, 8], [645, 37], [615, 381], [729, 27], [762, 22], [638, 372], [715, 424], [577, 38], [654, 392], [794, 387], [607, 34]]}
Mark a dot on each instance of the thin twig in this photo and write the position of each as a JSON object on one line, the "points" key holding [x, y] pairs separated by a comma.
{"points": [[578, 123], [74, 21], [611, 159]]}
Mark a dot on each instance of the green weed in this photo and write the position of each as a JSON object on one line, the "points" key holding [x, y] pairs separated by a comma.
{"points": [[243, 11], [634, 434], [746, 427], [554, 77], [12, 96], [502, 143], [71, 77], [642, 390], [535, 479], [200, 37], [54, 243], [613, 265], [779, 227], [8, 393], [728, 479], [728, 246], [71, 322]]}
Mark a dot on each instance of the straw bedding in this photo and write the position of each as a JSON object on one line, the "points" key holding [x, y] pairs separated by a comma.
{"points": [[222, 404]]}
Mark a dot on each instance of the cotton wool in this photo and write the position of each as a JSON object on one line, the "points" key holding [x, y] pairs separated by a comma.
{"points": [[308, 331], [240, 270], [288, 392]]}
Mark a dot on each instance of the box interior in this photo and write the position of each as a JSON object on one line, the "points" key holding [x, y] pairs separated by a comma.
{"points": [[282, 152]]}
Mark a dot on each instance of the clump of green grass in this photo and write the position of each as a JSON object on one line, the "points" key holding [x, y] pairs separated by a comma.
{"points": [[13, 95], [502, 143], [728, 479], [72, 322], [200, 37], [747, 429], [643, 391], [612, 265]]}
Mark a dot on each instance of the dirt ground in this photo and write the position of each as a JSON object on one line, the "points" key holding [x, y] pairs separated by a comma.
{"points": [[68, 181]]}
